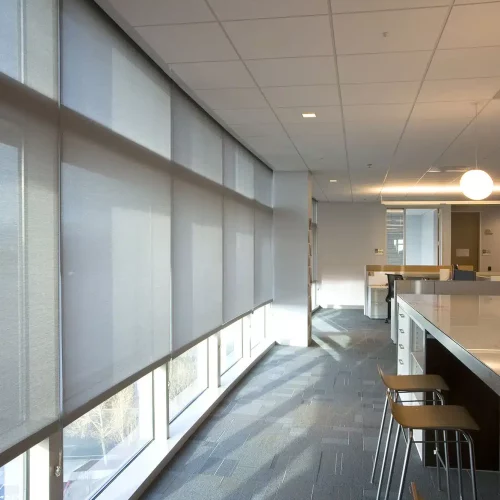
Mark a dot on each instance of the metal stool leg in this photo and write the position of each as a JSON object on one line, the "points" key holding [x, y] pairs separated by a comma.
{"points": [[472, 464], [384, 460], [377, 451], [393, 460], [459, 465], [447, 463], [405, 463], [436, 449]]}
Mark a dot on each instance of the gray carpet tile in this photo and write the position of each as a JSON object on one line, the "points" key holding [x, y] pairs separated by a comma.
{"points": [[303, 425]]}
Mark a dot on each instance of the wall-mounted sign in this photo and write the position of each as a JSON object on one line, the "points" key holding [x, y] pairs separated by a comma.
{"points": [[488, 232], [462, 252], [379, 251], [486, 252]]}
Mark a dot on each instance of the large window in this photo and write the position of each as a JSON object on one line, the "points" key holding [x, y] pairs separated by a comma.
{"points": [[231, 345], [412, 236], [100, 443], [258, 327], [187, 378], [13, 479]]}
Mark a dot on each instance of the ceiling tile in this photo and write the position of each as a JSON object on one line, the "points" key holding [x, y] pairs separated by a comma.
{"points": [[152, 12], [472, 26], [271, 145], [286, 162], [310, 95], [464, 2], [468, 89], [227, 10], [389, 31], [379, 93], [232, 98], [465, 63], [323, 114], [313, 128], [339, 6], [258, 129], [369, 113], [393, 67], [245, 116], [189, 42], [293, 71], [286, 37], [214, 75]]}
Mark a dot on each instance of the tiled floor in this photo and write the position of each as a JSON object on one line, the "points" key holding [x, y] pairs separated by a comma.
{"points": [[302, 425]]}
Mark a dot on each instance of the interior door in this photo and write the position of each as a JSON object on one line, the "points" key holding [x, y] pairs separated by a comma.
{"points": [[465, 238]]}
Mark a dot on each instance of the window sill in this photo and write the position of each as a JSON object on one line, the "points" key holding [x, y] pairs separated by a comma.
{"points": [[133, 481]]}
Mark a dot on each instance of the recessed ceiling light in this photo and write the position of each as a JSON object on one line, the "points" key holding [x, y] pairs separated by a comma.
{"points": [[434, 170], [333, 180], [308, 115]]}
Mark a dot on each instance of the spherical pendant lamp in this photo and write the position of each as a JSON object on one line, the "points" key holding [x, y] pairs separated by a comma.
{"points": [[476, 184]]}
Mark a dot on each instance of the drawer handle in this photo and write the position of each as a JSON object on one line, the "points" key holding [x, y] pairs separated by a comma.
{"points": [[401, 330], [402, 315], [401, 362], [401, 346]]}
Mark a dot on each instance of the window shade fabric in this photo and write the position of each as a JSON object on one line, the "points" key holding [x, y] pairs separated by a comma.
{"points": [[263, 184], [197, 262], [28, 43], [197, 139], [116, 267], [29, 306], [238, 168], [263, 256], [106, 79], [238, 258]]}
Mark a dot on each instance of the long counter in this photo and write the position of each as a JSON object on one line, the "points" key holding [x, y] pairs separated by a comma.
{"points": [[468, 326], [457, 337]]}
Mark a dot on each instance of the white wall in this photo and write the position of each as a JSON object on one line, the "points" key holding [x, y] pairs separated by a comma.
{"points": [[490, 219], [292, 207], [348, 234]]}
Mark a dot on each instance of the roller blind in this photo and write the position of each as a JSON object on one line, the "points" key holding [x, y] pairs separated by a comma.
{"points": [[29, 353], [263, 184], [197, 262], [263, 256], [28, 43], [197, 139], [238, 258], [116, 266], [395, 235], [106, 79], [238, 167]]}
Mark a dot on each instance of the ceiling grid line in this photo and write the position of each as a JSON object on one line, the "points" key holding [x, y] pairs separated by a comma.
{"points": [[450, 8], [259, 89]]}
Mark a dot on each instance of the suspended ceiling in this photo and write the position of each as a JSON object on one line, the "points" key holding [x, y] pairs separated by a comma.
{"points": [[393, 83]]}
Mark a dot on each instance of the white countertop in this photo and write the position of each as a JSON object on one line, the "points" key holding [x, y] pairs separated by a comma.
{"points": [[471, 322]]}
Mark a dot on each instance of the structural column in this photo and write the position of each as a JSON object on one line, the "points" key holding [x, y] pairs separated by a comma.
{"points": [[292, 212]]}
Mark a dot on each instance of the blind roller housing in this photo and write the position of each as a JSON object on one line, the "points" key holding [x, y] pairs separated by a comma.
{"points": [[116, 267], [238, 167], [238, 259], [263, 184], [106, 79], [197, 139], [263, 256], [29, 353], [197, 262]]}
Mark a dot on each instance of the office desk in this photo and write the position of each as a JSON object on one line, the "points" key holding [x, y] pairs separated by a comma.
{"points": [[457, 337]]}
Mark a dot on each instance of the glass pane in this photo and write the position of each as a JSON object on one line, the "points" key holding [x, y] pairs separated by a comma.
{"points": [[187, 378], [258, 327], [231, 345], [12, 480], [395, 237], [421, 227], [100, 443]]}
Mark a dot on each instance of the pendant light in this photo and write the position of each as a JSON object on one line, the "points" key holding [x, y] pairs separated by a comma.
{"points": [[476, 184]]}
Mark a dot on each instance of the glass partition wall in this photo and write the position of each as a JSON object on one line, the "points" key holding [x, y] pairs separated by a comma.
{"points": [[412, 236], [136, 244]]}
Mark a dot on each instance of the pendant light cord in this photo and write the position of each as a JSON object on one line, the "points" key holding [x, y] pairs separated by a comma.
{"points": [[475, 132]]}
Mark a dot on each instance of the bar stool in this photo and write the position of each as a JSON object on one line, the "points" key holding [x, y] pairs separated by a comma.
{"points": [[433, 418], [400, 384]]}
